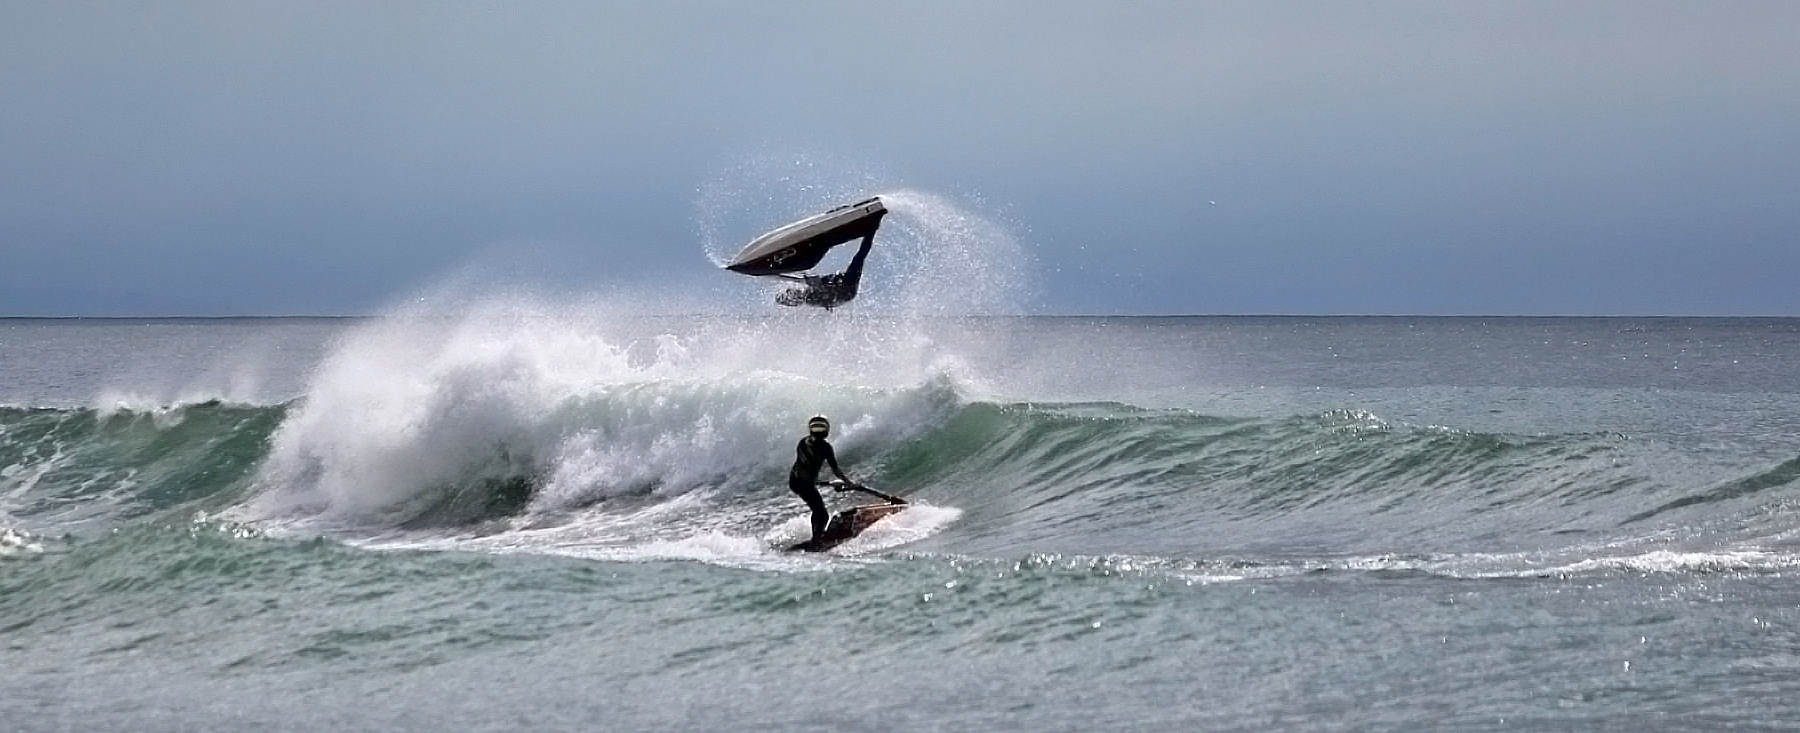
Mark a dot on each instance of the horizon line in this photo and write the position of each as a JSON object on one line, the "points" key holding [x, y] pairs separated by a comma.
{"points": [[299, 316]]}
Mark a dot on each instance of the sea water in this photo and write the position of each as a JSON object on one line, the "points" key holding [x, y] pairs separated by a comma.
{"points": [[501, 509], [531, 515]]}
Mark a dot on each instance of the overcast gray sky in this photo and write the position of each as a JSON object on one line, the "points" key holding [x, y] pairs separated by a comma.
{"points": [[293, 157]]}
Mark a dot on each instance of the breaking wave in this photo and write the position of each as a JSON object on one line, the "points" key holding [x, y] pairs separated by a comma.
{"points": [[531, 432]]}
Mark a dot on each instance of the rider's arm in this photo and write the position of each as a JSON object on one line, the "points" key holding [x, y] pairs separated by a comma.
{"points": [[831, 458]]}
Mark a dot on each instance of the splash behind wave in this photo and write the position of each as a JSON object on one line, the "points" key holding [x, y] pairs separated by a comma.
{"points": [[517, 407]]}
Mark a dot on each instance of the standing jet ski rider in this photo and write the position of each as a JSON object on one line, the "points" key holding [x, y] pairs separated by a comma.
{"points": [[810, 455]]}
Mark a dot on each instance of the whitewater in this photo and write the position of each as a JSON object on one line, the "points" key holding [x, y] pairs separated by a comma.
{"points": [[513, 510]]}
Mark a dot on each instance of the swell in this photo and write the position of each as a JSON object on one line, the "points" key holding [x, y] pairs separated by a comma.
{"points": [[1072, 477], [1100, 477], [1254, 467], [66, 468], [1778, 476]]}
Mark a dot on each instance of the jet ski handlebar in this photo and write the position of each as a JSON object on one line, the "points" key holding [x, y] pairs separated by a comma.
{"points": [[845, 486]]}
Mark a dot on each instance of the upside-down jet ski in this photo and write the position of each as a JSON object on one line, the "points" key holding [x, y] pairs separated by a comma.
{"points": [[801, 246]]}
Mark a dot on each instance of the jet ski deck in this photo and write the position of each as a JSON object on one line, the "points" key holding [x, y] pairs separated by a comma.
{"points": [[846, 525]]}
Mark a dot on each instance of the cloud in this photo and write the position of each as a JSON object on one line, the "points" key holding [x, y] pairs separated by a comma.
{"points": [[183, 145]]}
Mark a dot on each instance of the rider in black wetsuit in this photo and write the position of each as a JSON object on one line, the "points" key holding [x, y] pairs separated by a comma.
{"points": [[809, 456], [830, 291]]}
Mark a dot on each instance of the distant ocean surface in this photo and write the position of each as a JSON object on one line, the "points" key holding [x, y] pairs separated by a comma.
{"points": [[511, 517]]}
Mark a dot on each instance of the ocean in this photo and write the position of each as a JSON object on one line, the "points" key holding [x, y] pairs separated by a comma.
{"points": [[532, 515]]}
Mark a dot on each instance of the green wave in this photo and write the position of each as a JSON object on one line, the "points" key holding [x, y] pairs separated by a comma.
{"points": [[74, 467], [1082, 477]]}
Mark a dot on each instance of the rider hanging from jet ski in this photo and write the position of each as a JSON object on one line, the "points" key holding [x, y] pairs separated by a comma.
{"points": [[800, 246], [829, 291]]}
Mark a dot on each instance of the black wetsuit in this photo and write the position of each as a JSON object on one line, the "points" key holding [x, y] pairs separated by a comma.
{"points": [[830, 291], [809, 456]]}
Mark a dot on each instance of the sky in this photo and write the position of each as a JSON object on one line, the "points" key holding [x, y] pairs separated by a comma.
{"points": [[319, 158]]}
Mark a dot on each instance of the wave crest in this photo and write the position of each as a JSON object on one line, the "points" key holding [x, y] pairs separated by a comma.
{"points": [[427, 420]]}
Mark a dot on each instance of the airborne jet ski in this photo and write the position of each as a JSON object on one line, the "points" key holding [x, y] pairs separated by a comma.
{"points": [[801, 246]]}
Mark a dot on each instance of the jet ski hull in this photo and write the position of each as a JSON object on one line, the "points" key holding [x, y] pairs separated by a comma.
{"points": [[800, 246]]}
